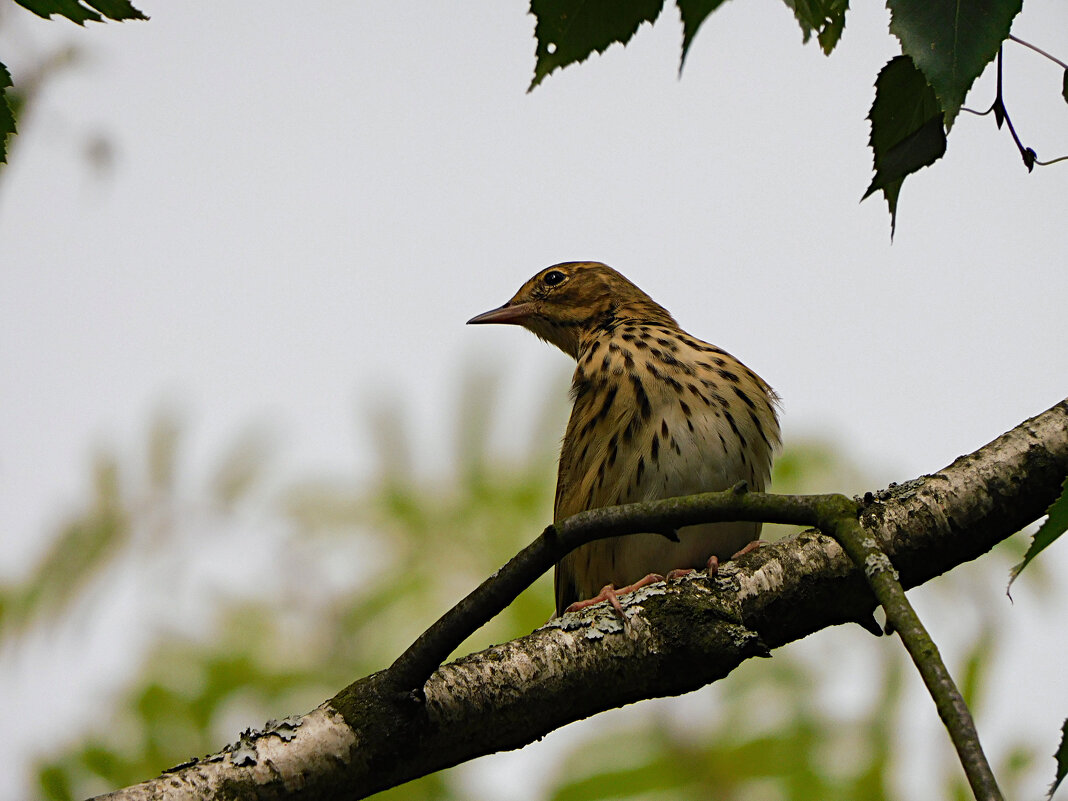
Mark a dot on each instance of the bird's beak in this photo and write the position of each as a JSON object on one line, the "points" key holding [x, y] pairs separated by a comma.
{"points": [[515, 314]]}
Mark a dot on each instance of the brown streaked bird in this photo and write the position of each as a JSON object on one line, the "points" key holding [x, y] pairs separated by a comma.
{"points": [[658, 413]]}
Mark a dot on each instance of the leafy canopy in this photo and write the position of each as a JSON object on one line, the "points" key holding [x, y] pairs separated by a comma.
{"points": [[945, 46]]}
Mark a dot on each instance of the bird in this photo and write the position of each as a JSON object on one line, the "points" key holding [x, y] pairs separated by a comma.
{"points": [[657, 413]]}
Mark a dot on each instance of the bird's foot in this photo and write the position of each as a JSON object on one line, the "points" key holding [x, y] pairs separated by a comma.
{"points": [[677, 573], [750, 548], [713, 561], [611, 594]]}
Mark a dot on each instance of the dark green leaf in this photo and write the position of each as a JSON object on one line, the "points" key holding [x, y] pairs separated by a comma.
{"points": [[7, 118], [70, 9], [825, 18], [75, 11], [693, 14], [951, 42], [906, 129], [1057, 521], [116, 9], [917, 150], [1062, 759], [567, 31], [831, 33]]}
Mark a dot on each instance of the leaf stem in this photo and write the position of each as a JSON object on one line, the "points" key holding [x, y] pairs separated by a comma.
{"points": [[1038, 50], [1002, 113]]}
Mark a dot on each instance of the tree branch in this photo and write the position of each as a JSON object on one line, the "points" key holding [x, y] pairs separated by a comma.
{"points": [[421, 659], [849, 532], [375, 734]]}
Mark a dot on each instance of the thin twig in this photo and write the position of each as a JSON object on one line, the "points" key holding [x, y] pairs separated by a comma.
{"points": [[411, 670], [866, 554]]}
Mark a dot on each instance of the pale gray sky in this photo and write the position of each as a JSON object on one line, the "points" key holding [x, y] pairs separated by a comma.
{"points": [[307, 204]]}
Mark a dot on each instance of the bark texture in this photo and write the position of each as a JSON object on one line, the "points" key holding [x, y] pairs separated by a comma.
{"points": [[676, 638]]}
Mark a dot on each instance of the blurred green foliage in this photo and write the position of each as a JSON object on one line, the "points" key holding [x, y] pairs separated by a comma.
{"points": [[77, 552], [360, 571]]}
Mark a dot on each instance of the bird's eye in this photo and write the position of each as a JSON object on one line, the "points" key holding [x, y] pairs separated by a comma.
{"points": [[553, 277]]}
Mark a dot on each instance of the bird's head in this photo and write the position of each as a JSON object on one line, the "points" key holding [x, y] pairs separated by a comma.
{"points": [[564, 303]]}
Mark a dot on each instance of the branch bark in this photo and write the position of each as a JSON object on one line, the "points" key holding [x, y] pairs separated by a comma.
{"points": [[380, 732]]}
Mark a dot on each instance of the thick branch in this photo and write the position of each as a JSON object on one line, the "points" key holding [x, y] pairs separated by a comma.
{"points": [[679, 637]]}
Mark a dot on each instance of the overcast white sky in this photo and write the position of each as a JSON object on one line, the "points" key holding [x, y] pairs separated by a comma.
{"points": [[306, 205]]}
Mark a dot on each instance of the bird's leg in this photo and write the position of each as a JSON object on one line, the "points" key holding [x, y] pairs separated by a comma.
{"points": [[611, 594]]}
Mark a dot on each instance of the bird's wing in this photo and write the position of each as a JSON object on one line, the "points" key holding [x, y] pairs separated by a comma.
{"points": [[567, 503]]}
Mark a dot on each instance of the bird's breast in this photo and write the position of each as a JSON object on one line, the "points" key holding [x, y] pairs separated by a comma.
{"points": [[658, 414], [654, 417]]}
